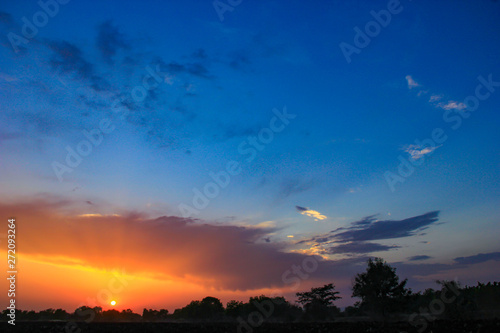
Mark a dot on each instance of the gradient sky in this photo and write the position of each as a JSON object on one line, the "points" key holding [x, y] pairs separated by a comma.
{"points": [[390, 147]]}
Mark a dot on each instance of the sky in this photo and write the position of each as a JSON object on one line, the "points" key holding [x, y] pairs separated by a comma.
{"points": [[158, 152]]}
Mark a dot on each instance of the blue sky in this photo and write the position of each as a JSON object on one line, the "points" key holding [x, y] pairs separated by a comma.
{"points": [[220, 83]]}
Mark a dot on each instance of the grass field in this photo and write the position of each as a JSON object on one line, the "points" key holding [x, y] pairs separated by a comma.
{"points": [[434, 327]]}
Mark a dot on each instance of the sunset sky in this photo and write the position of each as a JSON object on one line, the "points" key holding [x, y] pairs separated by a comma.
{"points": [[159, 152]]}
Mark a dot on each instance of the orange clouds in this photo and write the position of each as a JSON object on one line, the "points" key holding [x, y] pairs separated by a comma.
{"points": [[165, 248]]}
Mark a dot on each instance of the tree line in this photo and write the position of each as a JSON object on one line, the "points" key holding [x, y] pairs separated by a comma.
{"points": [[380, 292]]}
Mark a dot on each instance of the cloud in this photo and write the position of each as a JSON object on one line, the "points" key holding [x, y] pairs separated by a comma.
{"points": [[435, 98], [193, 68], [109, 41], [387, 229], [411, 83], [452, 105], [361, 248], [239, 60], [356, 238], [290, 186], [6, 19], [478, 258], [419, 258], [68, 58], [200, 54], [7, 25], [370, 229], [218, 256], [311, 213], [417, 151]]}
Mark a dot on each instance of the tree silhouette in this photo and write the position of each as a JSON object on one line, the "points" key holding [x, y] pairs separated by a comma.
{"points": [[211, 307], [235, 308], [318, 303], [379, 288], [208, 308], [323, 295]]}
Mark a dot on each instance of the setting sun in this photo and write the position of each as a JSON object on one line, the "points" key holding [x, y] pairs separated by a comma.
{"points": [[113, 303]]}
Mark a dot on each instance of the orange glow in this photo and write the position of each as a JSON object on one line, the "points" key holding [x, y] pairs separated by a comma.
{"points": [[68, 285], [90, 261]]}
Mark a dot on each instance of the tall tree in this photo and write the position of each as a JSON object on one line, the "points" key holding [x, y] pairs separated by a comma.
{"points": [[379, 288], [323, 295], [318, 303]]}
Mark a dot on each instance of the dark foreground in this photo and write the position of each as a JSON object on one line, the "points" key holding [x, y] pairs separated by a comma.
{"points": [[435, 327]]}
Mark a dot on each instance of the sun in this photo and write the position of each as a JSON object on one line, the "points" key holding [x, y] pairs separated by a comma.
{"points": [[113, 303]]}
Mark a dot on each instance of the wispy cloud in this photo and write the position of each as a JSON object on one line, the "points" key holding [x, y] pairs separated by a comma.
{"points": [[311, 213], [419, 258], [387, 229], [359, 236], [361, 248], [435, 98], [411, 82], [417, 151], [109, 41], [478, 258], [290, 186], [452, 105]]}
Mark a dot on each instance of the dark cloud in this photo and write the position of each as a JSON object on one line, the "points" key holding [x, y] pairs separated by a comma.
{"points": [[6, 19], [239, 60], [196, 68], [200, 54], [354, 239], [361, 248], [289, 186], [370, 229], [419, 258], [68, 58], [301, 209], [478, 258], [219, 256], [8, 26], [99, 84], [365, 221], [109, 41]]}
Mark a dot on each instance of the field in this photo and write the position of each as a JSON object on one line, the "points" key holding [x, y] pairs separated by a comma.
{"points": [[437, 326]]}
